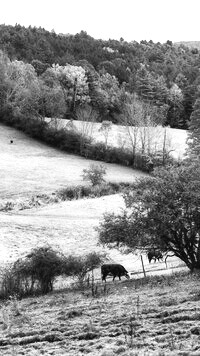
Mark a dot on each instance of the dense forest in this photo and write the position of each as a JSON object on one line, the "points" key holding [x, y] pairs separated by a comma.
{"points": [[43, 73]]}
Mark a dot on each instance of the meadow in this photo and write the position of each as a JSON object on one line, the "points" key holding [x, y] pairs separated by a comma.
{"points": [[156, 316]]}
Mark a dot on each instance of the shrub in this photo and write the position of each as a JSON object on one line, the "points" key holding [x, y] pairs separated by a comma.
{"points": [[81, 191], [78, 267], [10, 285], [95, 174], [76, 192], [35, 272]]}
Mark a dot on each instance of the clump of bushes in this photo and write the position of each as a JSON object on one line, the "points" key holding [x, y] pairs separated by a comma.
{"points": [[81, 191], [37, 271], [94, 174], [68, 193]]}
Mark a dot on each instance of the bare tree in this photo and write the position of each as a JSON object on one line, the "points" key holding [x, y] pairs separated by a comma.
{"points": [[105, 128], [87, 117]]}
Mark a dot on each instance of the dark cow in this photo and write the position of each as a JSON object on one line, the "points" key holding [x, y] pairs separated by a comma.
{"points": [[115, 270], [154, 255]]}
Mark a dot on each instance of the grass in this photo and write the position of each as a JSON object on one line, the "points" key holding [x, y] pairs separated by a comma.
{"points": [[31, 168], [118, 136], [156, 316], [126, 321]]}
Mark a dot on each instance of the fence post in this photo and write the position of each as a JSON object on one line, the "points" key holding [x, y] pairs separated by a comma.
{"points": [[143, 266]]}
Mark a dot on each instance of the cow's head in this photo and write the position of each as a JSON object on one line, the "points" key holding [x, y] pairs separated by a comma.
{"points": [[127, 275]]}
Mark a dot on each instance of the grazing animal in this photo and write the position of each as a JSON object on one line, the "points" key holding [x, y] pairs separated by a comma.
{"points": [[154, 255], [11, 141], [115, 270]]}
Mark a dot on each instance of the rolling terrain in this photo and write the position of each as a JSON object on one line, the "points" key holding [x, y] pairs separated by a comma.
{"points": [[156, 317]]}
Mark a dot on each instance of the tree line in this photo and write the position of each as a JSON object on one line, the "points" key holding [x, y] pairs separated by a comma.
{"points": [[68, 71]]}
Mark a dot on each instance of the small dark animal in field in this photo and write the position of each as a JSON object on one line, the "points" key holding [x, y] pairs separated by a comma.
{"points": [[115, 270], [11, 141], [154, 255]]}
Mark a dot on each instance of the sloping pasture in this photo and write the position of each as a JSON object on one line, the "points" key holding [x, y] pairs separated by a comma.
{"points": [[161, 317], [126, 318], [29, 167], [123, 136]]}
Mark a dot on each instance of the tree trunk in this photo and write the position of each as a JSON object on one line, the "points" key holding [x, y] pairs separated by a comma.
{"points": [[198, 253]]}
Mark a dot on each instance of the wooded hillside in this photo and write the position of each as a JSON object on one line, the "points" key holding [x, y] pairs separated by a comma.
{"points": [[164, 78]]}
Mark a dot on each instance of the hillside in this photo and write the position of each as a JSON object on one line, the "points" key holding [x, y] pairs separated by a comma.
{"points": [[122, 136], [189, 44], [108, 75], [29, 167], [124, 318], [157, 317]]}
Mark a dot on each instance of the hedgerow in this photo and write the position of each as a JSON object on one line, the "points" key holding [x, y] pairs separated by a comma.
{"points": [[75, 142]]}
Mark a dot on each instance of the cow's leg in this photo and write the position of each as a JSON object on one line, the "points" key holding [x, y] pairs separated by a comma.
{"points": [[104, 277]]}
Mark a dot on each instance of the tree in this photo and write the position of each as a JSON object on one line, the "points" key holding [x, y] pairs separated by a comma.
{"points": [[73, 82], [194, 131], [108, 97], [95, 174], [175, 112], [52, 103], [4, 62], [143, 123], [162, 211], [23, 89]]}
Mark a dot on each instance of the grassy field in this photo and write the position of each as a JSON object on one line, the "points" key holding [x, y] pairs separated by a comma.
{"points": [[159, 318], [121, 136], [29, 167]]}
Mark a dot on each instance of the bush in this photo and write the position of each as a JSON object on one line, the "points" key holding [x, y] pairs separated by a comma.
{"points": [[78, 267], [95, 174], [10, 284], [81, 191], [77, 192], [35, 272]]}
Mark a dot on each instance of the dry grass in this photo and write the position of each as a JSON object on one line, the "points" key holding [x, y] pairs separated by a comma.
{"points": [[161, 318], [120, 136], [29, 167], [156, 319]]}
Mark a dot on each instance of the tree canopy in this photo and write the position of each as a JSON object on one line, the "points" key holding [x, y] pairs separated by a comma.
{"points": [[162, 211], [194, 131], [164, 75]]}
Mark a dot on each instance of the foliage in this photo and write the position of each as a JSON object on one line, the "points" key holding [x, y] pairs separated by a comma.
{"points": [[37, 271], [98, 72], [194, 131], [94, 174], [163, 210], [82, 191], [80, 266], [33, 273], [23, 90], [73, 82]]}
